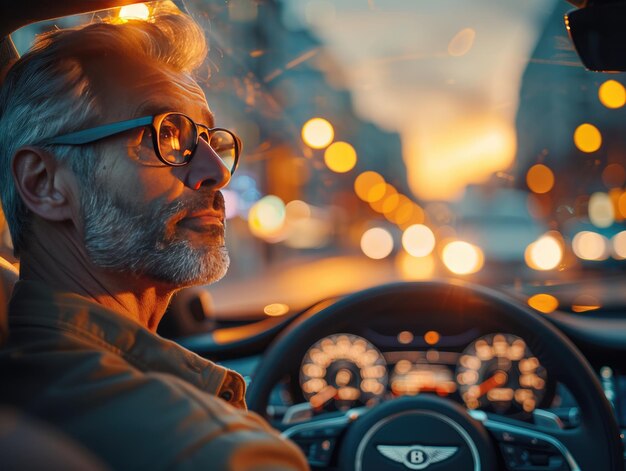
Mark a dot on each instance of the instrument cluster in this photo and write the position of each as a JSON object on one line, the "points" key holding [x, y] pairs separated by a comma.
{"points": [[495, 372]]}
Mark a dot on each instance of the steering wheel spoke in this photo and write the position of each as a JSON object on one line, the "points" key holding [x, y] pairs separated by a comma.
{"points": [[319, 437], [528, 446]]}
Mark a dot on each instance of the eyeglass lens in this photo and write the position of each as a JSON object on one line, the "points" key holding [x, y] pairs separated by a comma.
{"points": [[223, 143], [177, 140]]}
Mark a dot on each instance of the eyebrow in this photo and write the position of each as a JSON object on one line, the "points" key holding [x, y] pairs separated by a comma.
{"points": [[154, 109]]}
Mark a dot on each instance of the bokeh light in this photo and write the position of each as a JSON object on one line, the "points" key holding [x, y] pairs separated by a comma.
{"points": [[231, 203], [619, 245], [614, 176], [432, 337], [340, 157], [248, 195], [418, 240], [589, 245], [407, 212], [587, 138], [542, 302], [377, 243], [462, 42], [390, 203], [370, 186], [462, 258], [136, 11], [297, 209], [601, 211], [267, 217], [621, 205], [378, 201], [317, 133], [415, 268], [276, 309], [586, 302], [544, 254], [405, 337], [540, 179], [612, 94]]}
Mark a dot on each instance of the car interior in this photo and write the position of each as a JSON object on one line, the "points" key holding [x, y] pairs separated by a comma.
{"points": [[516, 363]]}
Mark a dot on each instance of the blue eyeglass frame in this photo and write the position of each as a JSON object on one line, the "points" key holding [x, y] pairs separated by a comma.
{"points": [[87, 136]]}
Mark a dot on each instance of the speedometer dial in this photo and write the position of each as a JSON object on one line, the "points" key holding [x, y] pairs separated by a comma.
{"points": [[499, 372], [341, 371]]}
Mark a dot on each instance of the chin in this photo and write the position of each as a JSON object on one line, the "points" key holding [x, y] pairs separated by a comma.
{"points": [[191, 267], [219, 264], [209, 267]]}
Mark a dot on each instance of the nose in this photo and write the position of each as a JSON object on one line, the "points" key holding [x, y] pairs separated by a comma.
{"points": [[205, 169]]}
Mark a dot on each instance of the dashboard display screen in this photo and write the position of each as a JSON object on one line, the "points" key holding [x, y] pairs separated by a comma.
{"points": [[494, 372], [414, 378]]}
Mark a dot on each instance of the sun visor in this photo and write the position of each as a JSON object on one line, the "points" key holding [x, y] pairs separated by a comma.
{"points": [[599, 36], [14, 15]]}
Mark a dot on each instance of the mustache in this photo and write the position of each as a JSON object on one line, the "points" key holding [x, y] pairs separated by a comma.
{"points": [[205, 199], [199, 201], [169, 215]]}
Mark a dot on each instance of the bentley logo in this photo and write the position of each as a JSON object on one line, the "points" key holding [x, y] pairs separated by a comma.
{"points": [[417, 456]]}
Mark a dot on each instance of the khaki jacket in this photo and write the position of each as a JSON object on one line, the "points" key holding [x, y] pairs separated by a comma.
{"points": [[134, 399]]}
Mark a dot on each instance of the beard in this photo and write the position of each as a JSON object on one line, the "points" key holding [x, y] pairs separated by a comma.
{"points": [[144, 240]]}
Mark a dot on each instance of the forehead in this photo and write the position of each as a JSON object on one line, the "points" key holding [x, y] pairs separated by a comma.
{"points": [[156, 91], [176, 93]]}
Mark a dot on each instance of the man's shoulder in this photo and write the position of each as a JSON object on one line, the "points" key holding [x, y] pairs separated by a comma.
{"points": [[62, 322], [132, 398], [133, 418]]}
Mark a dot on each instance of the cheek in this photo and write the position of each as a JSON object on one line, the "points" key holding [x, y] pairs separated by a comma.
{"points": [[142, 182], [158, 183]]}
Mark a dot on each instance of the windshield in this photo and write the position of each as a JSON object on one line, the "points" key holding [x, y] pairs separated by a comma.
{"points": [[394, 140]]}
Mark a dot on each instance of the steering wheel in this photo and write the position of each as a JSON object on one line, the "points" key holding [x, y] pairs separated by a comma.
{"points": [[424, 430]]}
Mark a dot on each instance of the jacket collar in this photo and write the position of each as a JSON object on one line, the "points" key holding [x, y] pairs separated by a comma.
{"points": [[36, 304]]}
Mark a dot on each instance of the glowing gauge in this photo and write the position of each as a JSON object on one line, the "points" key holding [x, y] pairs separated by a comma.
{"points": [[498, 372], [341, 371]]}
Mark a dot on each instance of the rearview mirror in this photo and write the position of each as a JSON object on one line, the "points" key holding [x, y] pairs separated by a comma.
{"points": [[599, 35]]}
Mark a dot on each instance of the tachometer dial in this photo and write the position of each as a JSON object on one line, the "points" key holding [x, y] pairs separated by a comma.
{"points": [[499, 372], [341, 371]]}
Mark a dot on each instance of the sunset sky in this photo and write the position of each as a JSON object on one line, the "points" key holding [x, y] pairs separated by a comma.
{"points": [[445, 74]]}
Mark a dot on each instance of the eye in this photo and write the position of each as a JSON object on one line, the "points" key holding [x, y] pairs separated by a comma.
{"points": [[169, 137], [168, 132]]}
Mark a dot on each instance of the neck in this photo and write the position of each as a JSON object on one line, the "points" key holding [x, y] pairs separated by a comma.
{"points": [[61, 263]]}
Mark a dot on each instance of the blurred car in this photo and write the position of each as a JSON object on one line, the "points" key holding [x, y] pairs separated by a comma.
{"points": [[398, 160]]}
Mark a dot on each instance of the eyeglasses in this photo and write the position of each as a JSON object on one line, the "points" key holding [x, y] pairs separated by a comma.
{"points": [[174, 138]]}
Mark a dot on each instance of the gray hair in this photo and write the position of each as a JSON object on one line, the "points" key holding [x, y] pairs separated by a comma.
{"points": [[49, 92]]}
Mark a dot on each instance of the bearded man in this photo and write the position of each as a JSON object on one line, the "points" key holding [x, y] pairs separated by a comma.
{"points": [[110, 169]]}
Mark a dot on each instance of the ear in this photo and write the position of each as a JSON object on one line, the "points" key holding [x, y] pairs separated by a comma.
{"points": [[44, 184]]}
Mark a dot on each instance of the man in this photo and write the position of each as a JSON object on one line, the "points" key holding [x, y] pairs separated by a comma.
{"points": [[110, 175]]}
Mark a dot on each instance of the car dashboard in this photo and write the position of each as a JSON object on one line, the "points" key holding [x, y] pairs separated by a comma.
{"points": [[479, 368], [467, 353], [492, 371]]}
